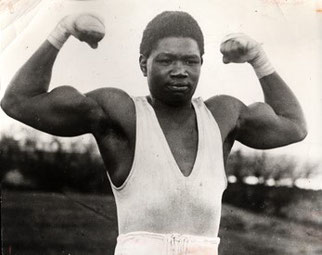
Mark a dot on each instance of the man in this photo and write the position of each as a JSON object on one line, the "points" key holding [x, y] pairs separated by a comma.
{"points": [[164, 153]]}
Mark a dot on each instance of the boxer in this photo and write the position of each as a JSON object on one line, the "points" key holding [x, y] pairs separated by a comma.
{"points": [[165, 153]]}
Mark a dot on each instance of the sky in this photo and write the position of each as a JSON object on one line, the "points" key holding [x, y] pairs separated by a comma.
{"points": [[290, 32]]}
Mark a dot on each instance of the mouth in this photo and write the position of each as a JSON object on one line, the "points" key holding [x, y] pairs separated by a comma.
{"points": [[178, 87]]}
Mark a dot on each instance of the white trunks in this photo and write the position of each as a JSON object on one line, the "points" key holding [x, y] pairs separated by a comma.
{"points": [[146, 243]]}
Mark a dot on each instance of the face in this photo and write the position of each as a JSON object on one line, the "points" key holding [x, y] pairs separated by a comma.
{"points": [[173, 69]]}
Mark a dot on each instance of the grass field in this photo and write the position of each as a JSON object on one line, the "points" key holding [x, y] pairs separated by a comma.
{"points": [[53, 224]]}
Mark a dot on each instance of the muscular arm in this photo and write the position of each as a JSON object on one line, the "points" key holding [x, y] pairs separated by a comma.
{"points": [[63, 111], [276, 122]]}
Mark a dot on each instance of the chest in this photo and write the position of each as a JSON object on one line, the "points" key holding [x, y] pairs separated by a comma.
{"points": [[181, 139]]}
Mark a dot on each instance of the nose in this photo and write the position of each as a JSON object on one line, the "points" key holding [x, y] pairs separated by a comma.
{"points": [[178, 70]]}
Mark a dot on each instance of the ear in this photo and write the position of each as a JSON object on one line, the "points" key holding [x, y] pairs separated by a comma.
{"points": [[143, 64]]}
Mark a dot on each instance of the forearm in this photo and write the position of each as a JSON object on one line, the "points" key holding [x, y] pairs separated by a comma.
{"points": [[277, 94], [33, 78], [282, 100]]}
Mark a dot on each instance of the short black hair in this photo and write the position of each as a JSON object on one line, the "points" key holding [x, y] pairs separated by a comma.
{"points": [[170, 24]]}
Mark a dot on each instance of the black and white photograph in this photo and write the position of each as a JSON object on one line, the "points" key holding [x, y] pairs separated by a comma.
{"points": [[140, 127]]}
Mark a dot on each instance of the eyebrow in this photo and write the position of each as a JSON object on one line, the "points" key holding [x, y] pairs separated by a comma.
{"points": [[171, 55]]}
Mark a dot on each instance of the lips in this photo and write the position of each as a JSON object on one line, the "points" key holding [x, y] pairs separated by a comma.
{"points": [[178, 87]]}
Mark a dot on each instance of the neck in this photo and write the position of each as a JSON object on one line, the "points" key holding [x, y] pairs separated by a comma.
{"points": [[175, 108], [179, 113]]}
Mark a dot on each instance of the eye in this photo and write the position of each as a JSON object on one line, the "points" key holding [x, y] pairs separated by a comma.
{"points": [[164, 61], [192, 61]]}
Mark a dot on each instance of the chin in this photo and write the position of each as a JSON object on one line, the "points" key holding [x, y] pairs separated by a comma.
{"points": [[180, 100]]}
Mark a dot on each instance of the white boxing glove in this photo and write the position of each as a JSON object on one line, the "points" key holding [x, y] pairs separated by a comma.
{"points": [[240, 48], [85, 27]]}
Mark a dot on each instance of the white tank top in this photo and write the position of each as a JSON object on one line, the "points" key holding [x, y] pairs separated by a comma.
{"points": [[156, 196]]}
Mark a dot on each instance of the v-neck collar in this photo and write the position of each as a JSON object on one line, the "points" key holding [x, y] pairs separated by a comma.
{"points": [[165, 144]]}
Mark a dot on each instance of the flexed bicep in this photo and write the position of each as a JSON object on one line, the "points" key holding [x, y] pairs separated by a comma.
{"points": [[261, 128], [63, 111]]}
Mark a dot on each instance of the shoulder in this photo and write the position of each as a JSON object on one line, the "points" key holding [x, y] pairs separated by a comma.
{"points": [[227, 111], [111, 99], [117, 108], [224, 105], [109, 94]]}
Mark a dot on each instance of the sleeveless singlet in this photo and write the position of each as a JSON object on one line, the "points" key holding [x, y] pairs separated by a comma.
{"points": [[156, 197]]}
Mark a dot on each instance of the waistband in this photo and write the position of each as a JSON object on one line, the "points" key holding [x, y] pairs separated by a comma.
{"points": [[171, 236]]}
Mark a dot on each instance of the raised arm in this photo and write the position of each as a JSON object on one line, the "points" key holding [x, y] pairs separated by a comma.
{"points": [[279, 120], [63, 111]]}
